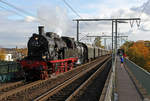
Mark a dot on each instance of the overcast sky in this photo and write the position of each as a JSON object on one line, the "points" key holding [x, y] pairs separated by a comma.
{"points": [[16, 27]]}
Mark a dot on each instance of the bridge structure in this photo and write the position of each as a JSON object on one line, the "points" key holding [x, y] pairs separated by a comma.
{"points": [[127, 81]]}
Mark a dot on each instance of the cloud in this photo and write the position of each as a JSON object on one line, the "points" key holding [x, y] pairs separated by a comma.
{"points": [[58, 19], [144, 8], [14, 32], [135, 33], [144, 13], [30, 19]]}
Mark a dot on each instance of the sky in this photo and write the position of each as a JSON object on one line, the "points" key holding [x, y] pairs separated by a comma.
{"points": [[17, 26]]}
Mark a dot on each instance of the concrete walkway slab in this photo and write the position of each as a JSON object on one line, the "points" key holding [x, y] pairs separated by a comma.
{"points": [[125, 87]]}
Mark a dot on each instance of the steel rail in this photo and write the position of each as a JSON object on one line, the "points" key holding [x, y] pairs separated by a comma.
{"points": [[46, 95]]}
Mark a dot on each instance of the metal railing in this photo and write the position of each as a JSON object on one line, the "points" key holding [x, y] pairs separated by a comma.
{"points": [[141, 75], [111, 85]]}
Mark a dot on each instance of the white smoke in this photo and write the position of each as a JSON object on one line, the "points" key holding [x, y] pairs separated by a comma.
{"points": [[55, 19], [30, 19]]}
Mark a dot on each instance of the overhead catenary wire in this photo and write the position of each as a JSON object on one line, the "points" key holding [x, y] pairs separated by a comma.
{"points": [[69, 6], [75, 12], [9, 10], [16, 8], [22, 11], [72, 9]]}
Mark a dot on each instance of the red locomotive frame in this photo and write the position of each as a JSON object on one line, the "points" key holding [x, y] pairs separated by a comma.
{"points": [[57, 66]]}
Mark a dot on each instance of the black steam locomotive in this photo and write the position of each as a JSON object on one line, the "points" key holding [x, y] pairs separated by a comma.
{"points": [[48, 53]]}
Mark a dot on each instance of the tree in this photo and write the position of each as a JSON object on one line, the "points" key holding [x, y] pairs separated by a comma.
{"points": [[126, 46], [2, 54], [98, 42], [22, 51], [139, 53]]}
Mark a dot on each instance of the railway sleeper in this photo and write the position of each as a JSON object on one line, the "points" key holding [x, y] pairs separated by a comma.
{"points": [[38, 86]]}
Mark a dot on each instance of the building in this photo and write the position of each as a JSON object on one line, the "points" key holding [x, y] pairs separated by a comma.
{"points": [[8, 57]]}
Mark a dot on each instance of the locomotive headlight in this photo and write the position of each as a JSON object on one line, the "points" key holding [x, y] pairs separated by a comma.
{"points": [[36, 38], [44, 57]]}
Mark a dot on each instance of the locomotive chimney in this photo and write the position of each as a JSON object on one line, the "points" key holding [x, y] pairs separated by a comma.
{"points": [[41, 30]]}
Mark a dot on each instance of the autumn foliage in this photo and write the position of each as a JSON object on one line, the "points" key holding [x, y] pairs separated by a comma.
{"points": [[2, 54], [22, 51], [139, 53]]}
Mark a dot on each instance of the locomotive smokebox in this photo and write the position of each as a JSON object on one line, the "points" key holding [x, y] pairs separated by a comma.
{"points": [[41, 30]]}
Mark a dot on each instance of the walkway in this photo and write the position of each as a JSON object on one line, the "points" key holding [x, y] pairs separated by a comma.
{"points": [[125, 87]]}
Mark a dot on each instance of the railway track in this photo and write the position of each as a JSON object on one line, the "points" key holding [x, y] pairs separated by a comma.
{"points": [[5, 88], [30, 91], [8, 86], [84, 86], [92, 88]]}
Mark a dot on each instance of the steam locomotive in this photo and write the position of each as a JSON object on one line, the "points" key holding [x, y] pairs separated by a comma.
{"points": [[48, 53]]}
